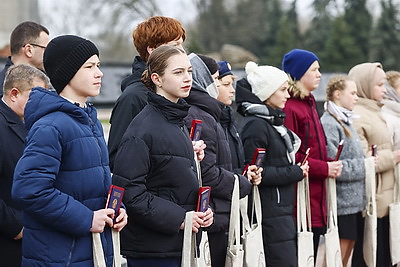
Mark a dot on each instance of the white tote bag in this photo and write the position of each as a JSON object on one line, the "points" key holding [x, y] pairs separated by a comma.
{"points": [[98, 254], [394, 220], [234, 253], [370, 226], [305, 247], [332, 243], [253, 245], [204, 258], [189, 243], [191, 256]]}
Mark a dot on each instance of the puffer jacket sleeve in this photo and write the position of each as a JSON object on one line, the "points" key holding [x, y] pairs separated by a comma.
{"points": [[33, 188], [130, 172]]}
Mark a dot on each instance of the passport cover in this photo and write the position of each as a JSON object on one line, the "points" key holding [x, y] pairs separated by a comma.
{"points": [[114, 199], [257, 160], [195, 131], [203, 199], [258, 157]]}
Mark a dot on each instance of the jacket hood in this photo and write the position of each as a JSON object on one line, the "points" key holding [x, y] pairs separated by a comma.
{"points": [[206, 103], [202, 79], [42, 102], [244, 94], [138, 66], [363, 75]]}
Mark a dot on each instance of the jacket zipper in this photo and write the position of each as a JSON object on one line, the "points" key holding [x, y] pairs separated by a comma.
{"points": [[324, 218], [92, 126], [316, 130], [70, 253], [278, 195]]}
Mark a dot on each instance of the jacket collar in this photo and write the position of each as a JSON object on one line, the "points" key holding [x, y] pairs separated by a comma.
{"points": [[370, 104], [42, 102], [173, 112], [138, 66], [14, 122], [226, 116]]}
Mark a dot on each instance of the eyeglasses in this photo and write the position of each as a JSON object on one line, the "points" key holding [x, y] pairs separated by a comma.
{"points": [[41, 46]]}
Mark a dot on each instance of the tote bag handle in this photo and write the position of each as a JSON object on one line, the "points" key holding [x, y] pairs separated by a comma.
{"points": [[98, 254]]}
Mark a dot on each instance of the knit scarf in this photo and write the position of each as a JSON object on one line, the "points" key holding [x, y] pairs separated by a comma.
{"points": [[341, 113], [391, 93], [275, 117]]}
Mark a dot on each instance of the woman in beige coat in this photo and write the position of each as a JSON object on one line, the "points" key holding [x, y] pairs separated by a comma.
{"points": [[391, 106], [372, 130]]}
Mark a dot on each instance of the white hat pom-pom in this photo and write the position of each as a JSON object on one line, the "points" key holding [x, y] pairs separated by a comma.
{"points": [[251, 67]]}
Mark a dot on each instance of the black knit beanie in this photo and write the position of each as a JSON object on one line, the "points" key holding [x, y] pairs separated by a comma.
{"points": [[64, 56]]}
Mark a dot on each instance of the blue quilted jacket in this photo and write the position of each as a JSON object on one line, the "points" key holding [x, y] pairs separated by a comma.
{"points": [[62, 177]]}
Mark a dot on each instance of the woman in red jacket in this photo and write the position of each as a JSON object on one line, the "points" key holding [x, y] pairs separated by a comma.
{"points": [[302, 118]]}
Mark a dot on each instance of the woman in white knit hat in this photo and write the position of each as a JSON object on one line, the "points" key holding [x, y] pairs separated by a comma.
{"points": [[261, 97]]}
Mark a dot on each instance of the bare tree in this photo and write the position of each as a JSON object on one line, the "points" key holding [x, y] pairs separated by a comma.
{"points": [[108, 23]]}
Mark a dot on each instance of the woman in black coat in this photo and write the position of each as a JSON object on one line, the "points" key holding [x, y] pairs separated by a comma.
{"points": [[261, 96], [216, 168], [155, 164]]}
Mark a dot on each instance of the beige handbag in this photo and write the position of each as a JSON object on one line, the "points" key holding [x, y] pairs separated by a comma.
{"points": [[394, 220], [370, 225], [234, 253], [332, 243], [98, 254], [305, 248], [253, 245]]}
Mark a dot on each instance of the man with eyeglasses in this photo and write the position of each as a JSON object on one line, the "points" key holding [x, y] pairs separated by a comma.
{"points": [[27, 43]]}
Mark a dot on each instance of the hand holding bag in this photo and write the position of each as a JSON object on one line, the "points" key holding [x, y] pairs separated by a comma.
{"points": [[203, 259], [305, 247], [234, 253], [189, 243], [191, 256], [98, 254], [370, 228], [332, 242], [394, 220], [253, 245]]}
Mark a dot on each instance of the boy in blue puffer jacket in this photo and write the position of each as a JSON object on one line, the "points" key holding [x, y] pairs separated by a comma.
{"points": [[62, 179]]}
